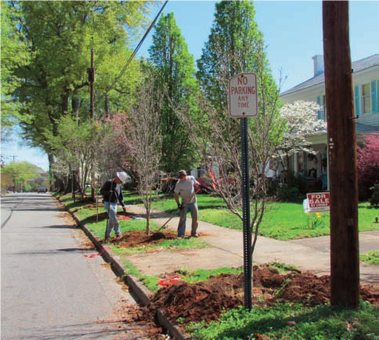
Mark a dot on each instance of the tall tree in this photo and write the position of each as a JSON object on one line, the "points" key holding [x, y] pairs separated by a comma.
{"points": [[20, 172], [235, 46], [59, 36], [13, 52], [176, 77]]}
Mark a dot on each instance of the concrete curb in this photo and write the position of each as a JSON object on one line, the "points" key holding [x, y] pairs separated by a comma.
{"points": [[136, 287]]}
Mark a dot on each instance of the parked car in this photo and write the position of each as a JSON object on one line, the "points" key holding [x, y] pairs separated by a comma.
{"points": [[41, 190]]}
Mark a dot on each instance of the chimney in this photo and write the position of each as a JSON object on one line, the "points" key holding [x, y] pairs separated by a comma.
{"points": [[318, 64]]}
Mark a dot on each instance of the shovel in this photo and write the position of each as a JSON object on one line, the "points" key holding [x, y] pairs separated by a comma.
{"points": [[172, 216]]}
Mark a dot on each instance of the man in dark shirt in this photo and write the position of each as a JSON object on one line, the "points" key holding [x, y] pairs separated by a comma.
{"points": [[112, 193]]}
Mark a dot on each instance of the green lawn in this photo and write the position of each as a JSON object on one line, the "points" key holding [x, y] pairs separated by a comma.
{"points": [[293, 321], [282, 221]]}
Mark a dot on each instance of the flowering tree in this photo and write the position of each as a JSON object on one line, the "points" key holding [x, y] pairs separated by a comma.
{"points": [[76, 148], [302, 121], [368, 164]]}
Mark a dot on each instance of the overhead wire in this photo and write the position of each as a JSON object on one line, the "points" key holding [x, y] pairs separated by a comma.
{"points": [[134, 52]]}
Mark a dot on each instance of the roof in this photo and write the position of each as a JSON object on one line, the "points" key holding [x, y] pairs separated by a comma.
{"points": [[357, 66]]}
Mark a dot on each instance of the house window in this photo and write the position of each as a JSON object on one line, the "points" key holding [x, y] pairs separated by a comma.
{"points": [[322, 113], [324, 116], [366, 99]]}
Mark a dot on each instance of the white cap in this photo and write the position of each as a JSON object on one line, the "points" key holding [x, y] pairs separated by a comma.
{"points": [[123, 176]]}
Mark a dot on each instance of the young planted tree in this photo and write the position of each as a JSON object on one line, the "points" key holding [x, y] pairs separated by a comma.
{"points": [[176, 77], [146, 141], [235, 45], [135, 143]]}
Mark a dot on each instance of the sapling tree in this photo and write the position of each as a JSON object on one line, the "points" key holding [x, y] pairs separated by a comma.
{"points": [[135, 144], [146, 140]]}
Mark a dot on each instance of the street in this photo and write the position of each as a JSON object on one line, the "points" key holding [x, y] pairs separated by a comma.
{"points": [[49, 289]]}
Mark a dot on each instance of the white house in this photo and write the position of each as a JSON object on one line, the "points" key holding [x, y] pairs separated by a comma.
{"points": [[366, 99]]}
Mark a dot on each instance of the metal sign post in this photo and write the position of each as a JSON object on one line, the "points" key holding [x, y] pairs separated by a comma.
{"points": [[247, 253], [243, 103]]}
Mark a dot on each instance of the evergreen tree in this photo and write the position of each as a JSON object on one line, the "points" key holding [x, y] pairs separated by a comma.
{"points": [[235, 46], [176, 78]]}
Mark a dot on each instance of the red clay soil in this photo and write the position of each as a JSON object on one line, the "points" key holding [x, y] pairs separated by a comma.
{"points": [[205, 301]]}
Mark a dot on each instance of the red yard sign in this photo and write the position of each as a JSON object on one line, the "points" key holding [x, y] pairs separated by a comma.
{"points": [[319, 201]]}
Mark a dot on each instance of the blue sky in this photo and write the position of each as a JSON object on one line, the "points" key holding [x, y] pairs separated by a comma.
{"points": [[292, 32]]}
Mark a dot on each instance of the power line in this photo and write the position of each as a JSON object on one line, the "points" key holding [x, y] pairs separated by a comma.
{"points": [[135, 51]]}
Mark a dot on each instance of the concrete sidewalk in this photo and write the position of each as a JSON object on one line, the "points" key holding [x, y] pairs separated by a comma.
{"points": [[311, 254]]}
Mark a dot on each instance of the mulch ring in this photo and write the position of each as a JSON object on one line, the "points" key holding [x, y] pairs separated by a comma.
{"points": [[135, 238], [206, 301], [103, 215]]}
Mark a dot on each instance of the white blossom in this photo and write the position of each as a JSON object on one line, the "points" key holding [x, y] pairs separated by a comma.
{"points": [[302, 121]]}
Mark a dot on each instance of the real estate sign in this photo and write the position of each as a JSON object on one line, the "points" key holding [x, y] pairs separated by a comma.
{"points": [[318, 202]]}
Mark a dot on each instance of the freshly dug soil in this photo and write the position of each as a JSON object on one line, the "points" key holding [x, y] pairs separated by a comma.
{"points": [[205, 301]]}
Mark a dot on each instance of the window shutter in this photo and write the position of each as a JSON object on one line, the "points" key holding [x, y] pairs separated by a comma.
{"points": [[356, 100], [319, 102], [373, 97]]}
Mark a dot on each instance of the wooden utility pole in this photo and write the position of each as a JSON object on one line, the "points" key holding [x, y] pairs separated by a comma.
{"points": [[342, 155], [91, 79]]}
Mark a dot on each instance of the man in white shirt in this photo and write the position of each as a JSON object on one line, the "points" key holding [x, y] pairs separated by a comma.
{"points": [[185, 188]]}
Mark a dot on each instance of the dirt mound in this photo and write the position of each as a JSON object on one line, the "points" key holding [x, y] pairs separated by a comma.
{"points": [[206, 301], [184, 300], [132, 239], [103, 215]]}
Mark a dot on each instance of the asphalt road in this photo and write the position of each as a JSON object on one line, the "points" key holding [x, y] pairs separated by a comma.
{"points": [[49, 290]]}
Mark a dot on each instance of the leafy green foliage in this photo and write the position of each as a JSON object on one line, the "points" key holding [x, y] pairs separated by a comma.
{"points": [[59, 37], [76, 145], [13, 53], [20, 172], [176, 78]]}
